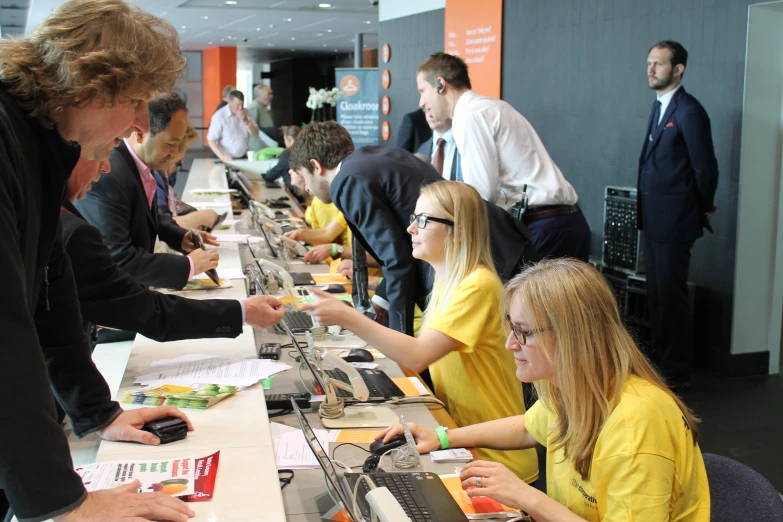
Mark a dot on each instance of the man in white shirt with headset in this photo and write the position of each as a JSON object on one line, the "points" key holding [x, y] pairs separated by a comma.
{"points": [[503, 158]]}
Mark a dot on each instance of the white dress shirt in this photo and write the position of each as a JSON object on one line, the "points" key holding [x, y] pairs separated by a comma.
{"points": [[665, 100], [229, 132], [449, 151], [501, 152]]}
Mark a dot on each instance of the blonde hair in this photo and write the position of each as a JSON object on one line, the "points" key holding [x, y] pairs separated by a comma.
{"points": [[87, 49], [590, 350], [467, 242]]}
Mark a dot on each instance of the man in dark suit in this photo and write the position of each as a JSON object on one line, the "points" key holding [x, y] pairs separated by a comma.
{"points": [[123, 208], [414, 131], [441, 150], [376, 189], [678, 175], [110, 297]]}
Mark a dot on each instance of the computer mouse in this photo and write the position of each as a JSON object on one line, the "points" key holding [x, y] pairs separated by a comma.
{"points": [[359, 355], [379, 448], [334, 289]]}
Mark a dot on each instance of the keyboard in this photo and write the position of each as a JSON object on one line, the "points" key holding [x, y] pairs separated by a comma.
{"points": [[298, 321], [378, 384]]}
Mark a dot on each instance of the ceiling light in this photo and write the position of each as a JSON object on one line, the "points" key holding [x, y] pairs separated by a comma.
{"points": [[319, 34], [222, 39], [258, 28], [231, 2], [288, 19], [292, 38], [324, 6], [336, 50], [210, 43], [324, 45], [270, 45], [271, 25], [367, 22], [184, 27], [328, 30], [205, 17]]}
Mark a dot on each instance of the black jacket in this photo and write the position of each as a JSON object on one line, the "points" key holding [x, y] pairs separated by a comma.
{"points": [[414, 131], [110, 297], [42, 345], [376, 190], [117, 206], [678, 173], [281, 170]]}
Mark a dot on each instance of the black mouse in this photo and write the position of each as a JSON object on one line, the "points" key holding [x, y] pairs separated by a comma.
{"points": [[359, 355], [379, 448], [335, 289]]}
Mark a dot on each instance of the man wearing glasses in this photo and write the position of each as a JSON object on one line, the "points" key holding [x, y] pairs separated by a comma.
{"points": [[376, 189]]}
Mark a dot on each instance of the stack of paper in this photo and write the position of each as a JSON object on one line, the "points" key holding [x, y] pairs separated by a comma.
{"points": [[175, 477], [206, 369], [451, 455], [291, 448], [231, 238]]}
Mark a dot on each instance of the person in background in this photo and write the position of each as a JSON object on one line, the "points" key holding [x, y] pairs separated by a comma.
{"points": [[184, 215], [619, 444], [461, 338], [225, 96], [231, 128], [678, 177], [289, 133], [414, 131], [503, 158], [109, 297], [262, 104], [74, 86], [440, 150], [123, 206]]}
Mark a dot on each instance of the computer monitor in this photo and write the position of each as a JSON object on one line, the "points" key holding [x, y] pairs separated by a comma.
{"points": [[234, 182], [326, 463], [316, 374]]}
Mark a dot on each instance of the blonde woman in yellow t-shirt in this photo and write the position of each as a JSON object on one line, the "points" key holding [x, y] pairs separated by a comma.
{"points": [[461, 339], [620, 445]]}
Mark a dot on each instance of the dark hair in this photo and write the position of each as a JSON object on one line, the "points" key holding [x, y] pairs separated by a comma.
{"points": [[236, 95], [679, 54], [326, 142], [290, 130], [162, 109], [451, 68]]}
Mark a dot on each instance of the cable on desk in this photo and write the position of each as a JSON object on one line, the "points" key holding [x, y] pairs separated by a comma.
{"points": [[279, 413], [284, 481], [301, 378], [334, 451]]}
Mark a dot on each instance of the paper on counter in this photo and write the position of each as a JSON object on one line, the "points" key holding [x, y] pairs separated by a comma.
{"points": [[353, 436], [230, 238], [228, 273], [210, 204], [364, 365], [291, 448], [175, 477], [229, 222], [212, 191], [410, 386], [223, 370]]}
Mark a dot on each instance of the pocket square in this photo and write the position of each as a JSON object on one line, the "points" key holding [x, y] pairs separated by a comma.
{"points": [[670, 124]]}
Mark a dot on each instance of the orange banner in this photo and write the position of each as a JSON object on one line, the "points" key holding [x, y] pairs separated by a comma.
{"points": [[474, 32]]}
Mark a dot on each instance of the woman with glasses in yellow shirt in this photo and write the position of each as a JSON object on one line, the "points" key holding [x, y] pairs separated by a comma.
{"points": [[461, 338], [620, 445]]}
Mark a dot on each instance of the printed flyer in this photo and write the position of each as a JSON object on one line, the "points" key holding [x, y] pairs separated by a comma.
{"points": [[175, 477]]}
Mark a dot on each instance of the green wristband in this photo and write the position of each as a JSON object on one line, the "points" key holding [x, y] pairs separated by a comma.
{"points": [[440, 431], [334, 249]]}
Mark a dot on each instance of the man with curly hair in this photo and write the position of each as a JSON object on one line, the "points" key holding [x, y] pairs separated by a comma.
{"points": [[76, 86]]}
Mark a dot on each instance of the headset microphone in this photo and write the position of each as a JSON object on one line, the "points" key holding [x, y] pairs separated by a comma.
{"points": [[439, 87]]}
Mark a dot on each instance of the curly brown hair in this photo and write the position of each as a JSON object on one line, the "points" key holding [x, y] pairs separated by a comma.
{"points": [[88, 49], [326, 142]]}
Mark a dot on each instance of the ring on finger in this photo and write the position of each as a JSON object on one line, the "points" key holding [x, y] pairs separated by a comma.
{"points": [[478, 482]]}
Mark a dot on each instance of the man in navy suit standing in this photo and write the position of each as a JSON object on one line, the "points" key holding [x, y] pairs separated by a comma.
{"points": [[678, 175]]}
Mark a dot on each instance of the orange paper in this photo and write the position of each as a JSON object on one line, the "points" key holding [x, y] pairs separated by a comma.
{"points": [[357, 436], [324, 279], [406, 386], [477, 505]]}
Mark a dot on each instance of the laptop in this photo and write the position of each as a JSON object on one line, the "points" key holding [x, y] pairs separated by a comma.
{"points": [[379, 384], [422, 495]]}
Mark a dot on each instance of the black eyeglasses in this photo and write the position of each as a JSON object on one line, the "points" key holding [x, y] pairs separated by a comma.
{"points": [[522, 335], [422, 219]]}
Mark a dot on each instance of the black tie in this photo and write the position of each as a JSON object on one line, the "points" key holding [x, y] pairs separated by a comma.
{"points": [[656, 117]]}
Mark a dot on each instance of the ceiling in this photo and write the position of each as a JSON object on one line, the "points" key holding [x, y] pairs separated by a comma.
{"points": [[262, 30]]}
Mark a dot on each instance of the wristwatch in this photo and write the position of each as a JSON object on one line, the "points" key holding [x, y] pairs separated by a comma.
{"points": [[337, 249]]}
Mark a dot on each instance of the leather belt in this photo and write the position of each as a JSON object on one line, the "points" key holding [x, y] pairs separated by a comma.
{"points": [[548, 211]]}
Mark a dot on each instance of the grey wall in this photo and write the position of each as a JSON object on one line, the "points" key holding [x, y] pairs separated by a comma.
{"points": [[412, 39], [576, 70]]}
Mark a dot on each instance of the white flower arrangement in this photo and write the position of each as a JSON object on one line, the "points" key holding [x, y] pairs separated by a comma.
{"points": [[319, 98]]}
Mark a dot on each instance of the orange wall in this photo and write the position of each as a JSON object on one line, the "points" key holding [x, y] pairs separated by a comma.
{"points": [[219, 67]]}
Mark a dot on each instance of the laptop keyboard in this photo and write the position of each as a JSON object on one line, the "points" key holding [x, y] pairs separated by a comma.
{"points": [[402, 488], [341, 376], [298, 320]]}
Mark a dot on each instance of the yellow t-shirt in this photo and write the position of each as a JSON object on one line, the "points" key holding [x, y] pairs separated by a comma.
{"points": [[645, 466], [477, 382], [319, 215]]}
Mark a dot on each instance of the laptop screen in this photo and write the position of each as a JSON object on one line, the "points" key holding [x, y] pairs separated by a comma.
{"points": [[315, 374], [323, 459]]}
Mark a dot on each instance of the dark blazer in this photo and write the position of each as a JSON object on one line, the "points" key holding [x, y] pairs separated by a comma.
{"points": [[414, 131], [110, 297], [426, 150], [376, 190], [281, 170], [43, 348], [117, 206], [678, 173]]}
